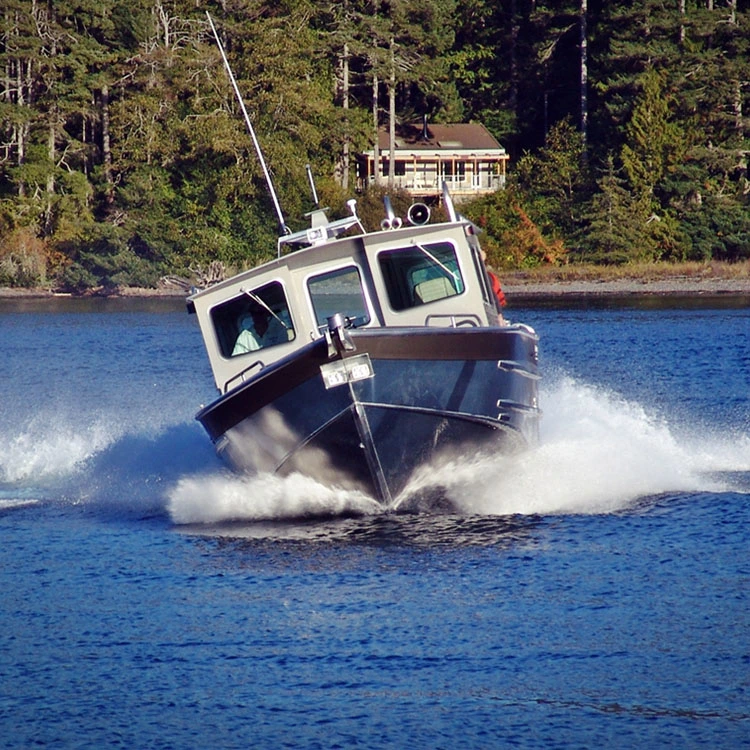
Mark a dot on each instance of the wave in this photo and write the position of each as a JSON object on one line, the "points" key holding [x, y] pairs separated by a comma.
{"points": [[50, 447], [13, 503], [123, 466], [598, 453], [228, 497]]}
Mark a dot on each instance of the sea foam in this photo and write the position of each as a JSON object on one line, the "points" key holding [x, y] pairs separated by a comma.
{"points": [[598, 453]]}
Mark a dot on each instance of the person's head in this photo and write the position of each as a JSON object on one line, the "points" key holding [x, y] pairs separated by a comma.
{"points": [[258, 318]]}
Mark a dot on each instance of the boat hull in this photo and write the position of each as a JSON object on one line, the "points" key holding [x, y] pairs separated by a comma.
{"points": [[401, 400]]}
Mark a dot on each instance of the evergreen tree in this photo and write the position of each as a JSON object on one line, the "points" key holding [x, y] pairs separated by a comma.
{"points": [[484, 63], [610, 233], [654, 143], [556, 180], [123, 153]]}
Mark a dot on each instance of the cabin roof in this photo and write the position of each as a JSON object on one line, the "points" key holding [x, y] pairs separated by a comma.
{"points": [[450, 137]]}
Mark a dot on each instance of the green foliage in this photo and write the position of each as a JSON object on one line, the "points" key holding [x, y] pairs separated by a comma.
{"points": [[611, 235], [23, 259], [103, 257], [371, 205], [124, 156], [512, 239], [555, 179], [654, 144], [717, 231]]}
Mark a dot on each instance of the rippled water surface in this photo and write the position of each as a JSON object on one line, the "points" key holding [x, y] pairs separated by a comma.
{"points": [[593, 592]]}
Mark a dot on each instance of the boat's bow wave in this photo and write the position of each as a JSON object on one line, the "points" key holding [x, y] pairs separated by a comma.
{"points": [[230, 497], [599, 453], [46, 448]]}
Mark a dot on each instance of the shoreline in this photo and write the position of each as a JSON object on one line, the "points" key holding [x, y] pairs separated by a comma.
{"points": [[513, 287], [669, 286]]}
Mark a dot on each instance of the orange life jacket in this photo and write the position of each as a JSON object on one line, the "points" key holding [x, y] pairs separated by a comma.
{"points": [[497, 289]]}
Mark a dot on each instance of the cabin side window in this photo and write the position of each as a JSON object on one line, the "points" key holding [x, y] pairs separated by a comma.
{"points": [[253, 320], [338, 291], [420, 274]]}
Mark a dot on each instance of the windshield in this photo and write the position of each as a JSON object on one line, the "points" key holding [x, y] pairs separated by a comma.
{"points": [[339, 291], [420, 274]]}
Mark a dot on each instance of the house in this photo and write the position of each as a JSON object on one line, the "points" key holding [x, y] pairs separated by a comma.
{"points": [[466, 156]]}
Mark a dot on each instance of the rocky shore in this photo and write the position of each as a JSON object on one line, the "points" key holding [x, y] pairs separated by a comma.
{"points": [[512, 285], [678, 286]]}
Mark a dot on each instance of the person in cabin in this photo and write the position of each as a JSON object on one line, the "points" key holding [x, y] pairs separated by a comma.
{"points": [[259, 328]]}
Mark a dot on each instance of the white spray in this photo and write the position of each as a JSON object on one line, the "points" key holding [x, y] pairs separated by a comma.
{"points": [[598, 453]]}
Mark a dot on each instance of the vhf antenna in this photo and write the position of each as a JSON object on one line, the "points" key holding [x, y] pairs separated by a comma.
{"points": [[282, 224], [310, 179]]}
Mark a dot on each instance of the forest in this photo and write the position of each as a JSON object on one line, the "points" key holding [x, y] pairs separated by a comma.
{"points": [[124, 157]]}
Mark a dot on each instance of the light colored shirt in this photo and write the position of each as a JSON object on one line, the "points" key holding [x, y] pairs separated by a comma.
{"points": [[250, 340]]}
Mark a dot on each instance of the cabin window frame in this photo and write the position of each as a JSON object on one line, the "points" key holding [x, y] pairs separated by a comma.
{"points": [[409, 260], [331, 271], [225, 317], [484, 280]]}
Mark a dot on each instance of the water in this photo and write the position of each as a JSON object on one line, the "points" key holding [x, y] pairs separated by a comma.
{"points": [[594, 592]]}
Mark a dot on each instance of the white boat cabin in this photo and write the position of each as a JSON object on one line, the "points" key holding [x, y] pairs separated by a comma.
{"points": [[413, 276]]}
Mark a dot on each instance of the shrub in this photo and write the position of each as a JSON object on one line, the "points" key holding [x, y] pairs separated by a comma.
{"points": [[23, 259]]}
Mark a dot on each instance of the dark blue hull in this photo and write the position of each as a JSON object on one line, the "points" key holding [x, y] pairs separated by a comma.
{"points": [[404, 398]]}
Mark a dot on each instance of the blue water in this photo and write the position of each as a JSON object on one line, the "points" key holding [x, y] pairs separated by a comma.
{"points": [[594, 592]]}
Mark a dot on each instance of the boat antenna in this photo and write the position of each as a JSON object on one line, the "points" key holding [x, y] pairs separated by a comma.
{"points": [[282, 224], [316, 202]]}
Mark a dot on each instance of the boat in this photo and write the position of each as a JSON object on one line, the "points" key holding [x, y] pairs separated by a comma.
{"points": [[357, 358]]}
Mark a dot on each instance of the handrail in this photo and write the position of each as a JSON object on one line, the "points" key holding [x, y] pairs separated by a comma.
{"points": [[456, 320], [242, 373]]}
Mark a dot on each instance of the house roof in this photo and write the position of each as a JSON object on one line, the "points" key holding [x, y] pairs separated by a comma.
{"points": [[461, 136]]}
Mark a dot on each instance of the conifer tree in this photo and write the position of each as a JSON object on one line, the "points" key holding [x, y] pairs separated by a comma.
{"points": [[556, 179], [653, 142], [610, 233]]}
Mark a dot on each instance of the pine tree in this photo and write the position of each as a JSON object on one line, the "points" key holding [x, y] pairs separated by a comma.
{"points": [[653, 141], [485, 65], [556, 180], [611, 232]]}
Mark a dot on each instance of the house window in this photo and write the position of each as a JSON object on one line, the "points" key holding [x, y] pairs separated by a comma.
{"points": [[453, 170], [399, 167]]}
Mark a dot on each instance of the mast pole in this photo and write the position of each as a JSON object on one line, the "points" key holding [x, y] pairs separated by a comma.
{"points": [[282, 224]]}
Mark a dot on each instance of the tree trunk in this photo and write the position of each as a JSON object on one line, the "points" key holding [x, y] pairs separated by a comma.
{"points": [[376, 124], [584, 75], [514, 30], [738, 118], [392, 119], [24, 128], [109, 195], [682, 22], [51, 155], [345, 105], [742, 156]]}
